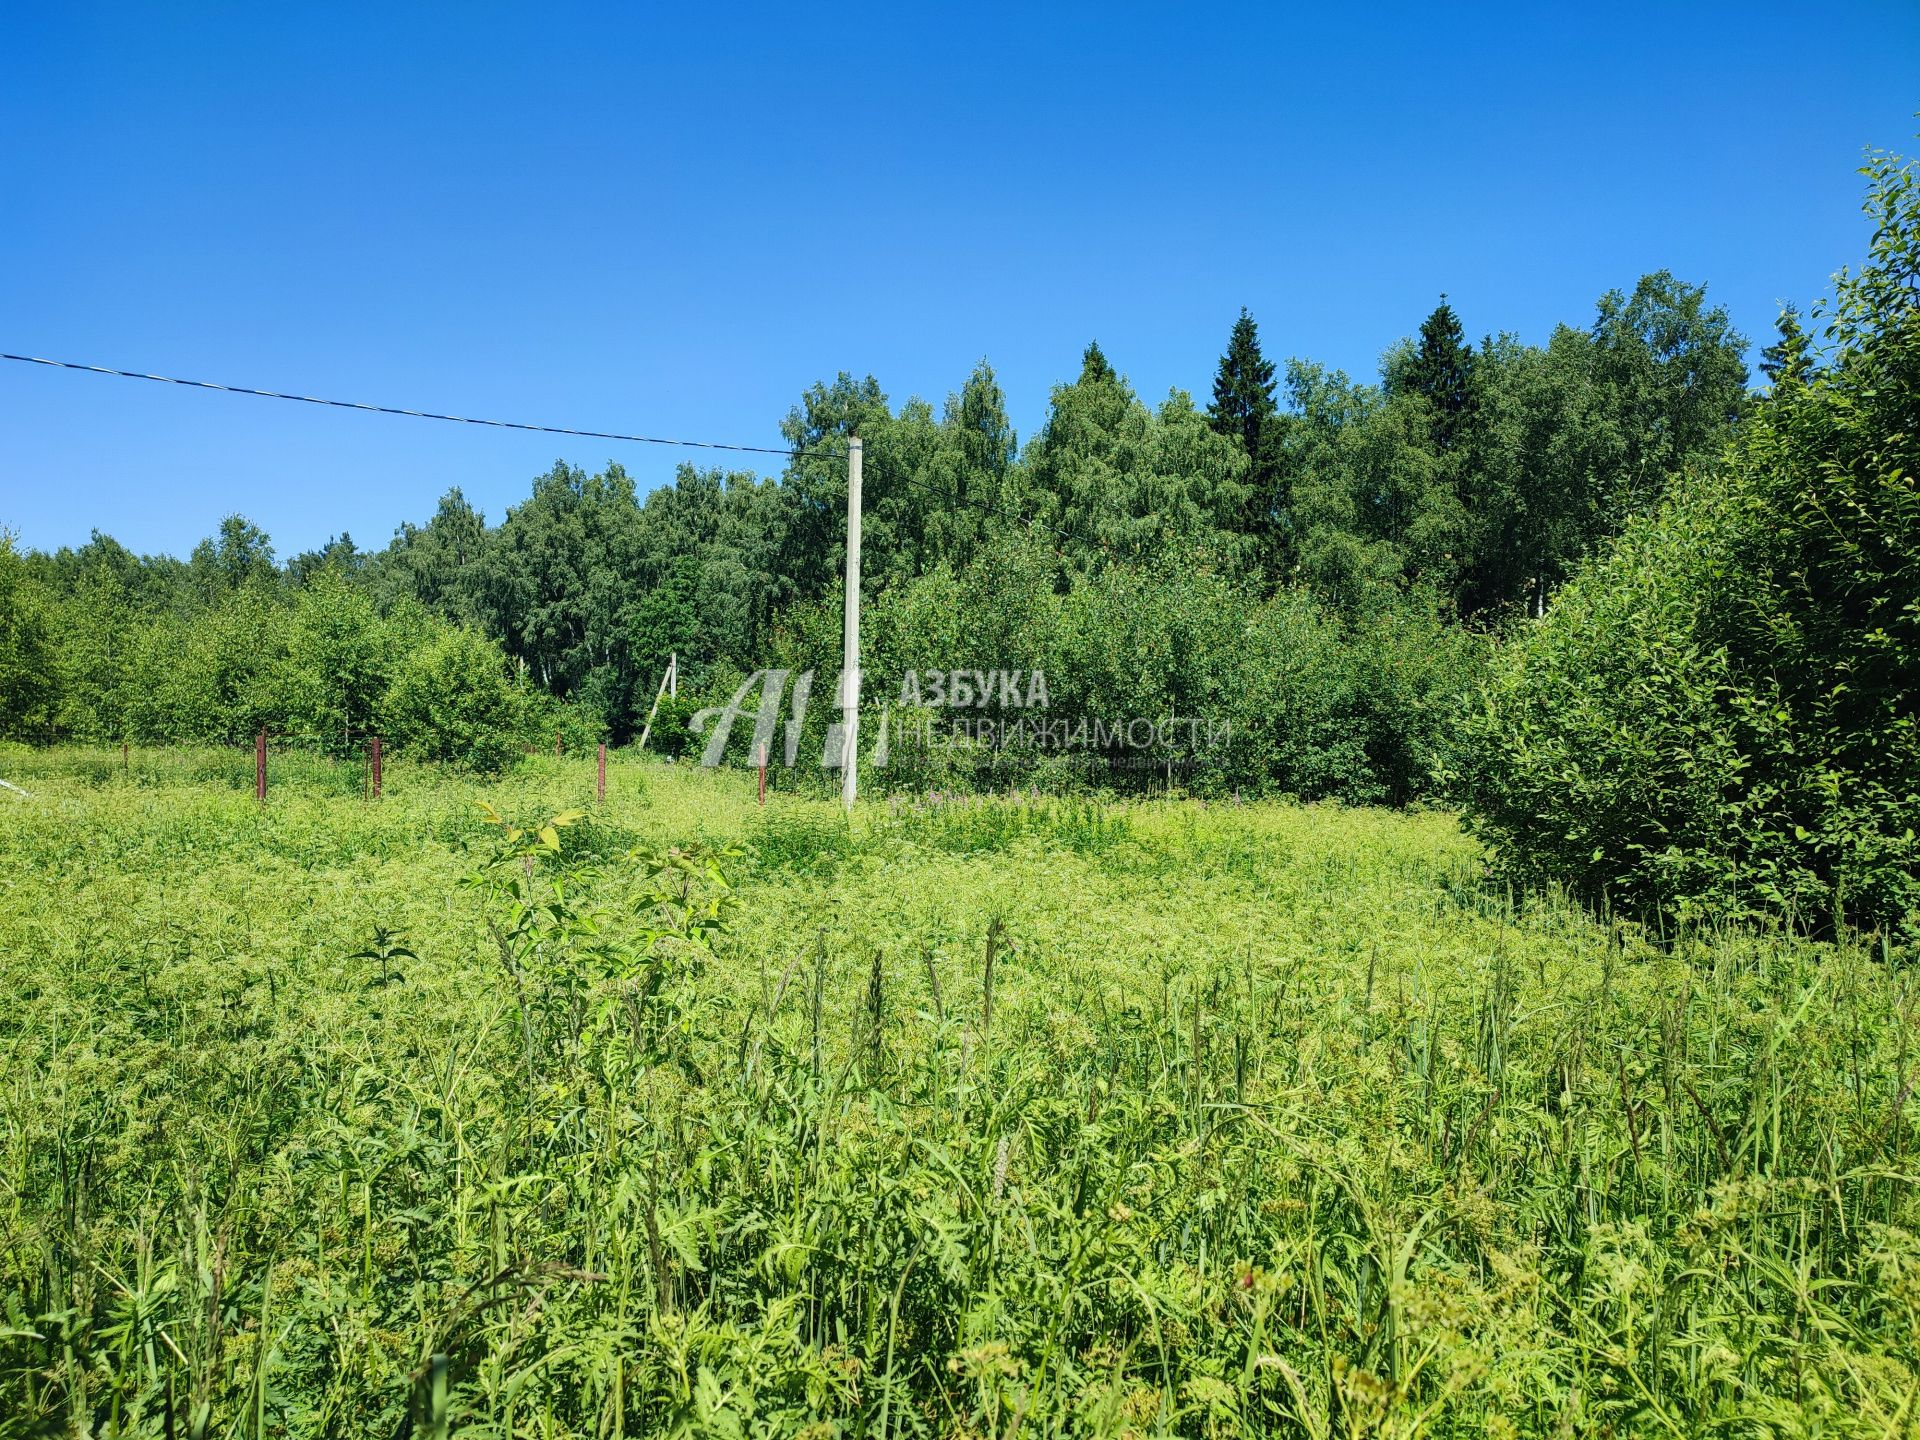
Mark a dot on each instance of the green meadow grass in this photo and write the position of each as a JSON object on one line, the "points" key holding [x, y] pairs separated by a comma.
{"points": [[970, 1118]]}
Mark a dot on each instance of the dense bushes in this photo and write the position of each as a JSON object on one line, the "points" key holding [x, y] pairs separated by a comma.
{"points": [[1720, 714], [320, 663], [1172, 672], [1288, 696], [26, 659], [450, 699], [1355, 708]]}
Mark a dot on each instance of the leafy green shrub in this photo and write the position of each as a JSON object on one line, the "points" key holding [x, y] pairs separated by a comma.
{"points": [[27, 678], [335, 662], [672, 725], [1719, 714], [1354, 710], [1285, 694], [451, 700], [208, 678]]}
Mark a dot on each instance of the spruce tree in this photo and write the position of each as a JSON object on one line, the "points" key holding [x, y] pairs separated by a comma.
{"points": [[1094, 366], [1789, 357], [1442, 371], [1244, 407]]}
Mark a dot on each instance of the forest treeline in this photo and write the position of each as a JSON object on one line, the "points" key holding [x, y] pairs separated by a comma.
{"points": [[1301, 533], [1345, 578]]}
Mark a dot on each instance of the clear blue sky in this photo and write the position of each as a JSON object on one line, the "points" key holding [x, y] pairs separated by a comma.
{"points": [[671, 219]]}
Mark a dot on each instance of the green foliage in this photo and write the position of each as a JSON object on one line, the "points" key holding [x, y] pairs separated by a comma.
{"points": [[911, 1125], [1672, 372], [1265, 694], [1720, 713], [1244, 407], [1358, 710], [1135, 482], [337, 657], [1533, 476], [1374, 503], [452, 700], [28, 675], [672, 733], [95, 643], [1440, 372], [438, 564], [208, 677], [320, 665], [552, 573], [239, 555]]}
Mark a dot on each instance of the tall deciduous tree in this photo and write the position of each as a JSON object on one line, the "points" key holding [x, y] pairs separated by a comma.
{"points": [[240, 553], [439, 563], [1675, 377], [977, 418]]}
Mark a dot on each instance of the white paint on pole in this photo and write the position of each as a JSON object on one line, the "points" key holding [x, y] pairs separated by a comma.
{"points": [[850, 646]]}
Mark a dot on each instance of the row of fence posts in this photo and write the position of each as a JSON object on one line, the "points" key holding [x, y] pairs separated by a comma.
{"points": [[375, 761], [375, 758]]}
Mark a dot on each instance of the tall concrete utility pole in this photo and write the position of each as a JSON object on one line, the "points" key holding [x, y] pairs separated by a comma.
{"points": [[850, 647]]}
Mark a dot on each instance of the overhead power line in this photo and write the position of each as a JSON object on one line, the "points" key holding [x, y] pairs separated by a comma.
{"points": [[985, 507], [401, 410]]}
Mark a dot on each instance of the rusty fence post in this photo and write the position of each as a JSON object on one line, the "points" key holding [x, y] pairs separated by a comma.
{"points": [[763, 775], [600, 776], [260, 765], [373, 766], [556, 739]]}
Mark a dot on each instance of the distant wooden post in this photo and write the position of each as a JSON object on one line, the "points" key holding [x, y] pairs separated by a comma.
{"points": [[126, 764], [556, 739], [763, 775], [373, 766], [260, 766], [600, 776]]}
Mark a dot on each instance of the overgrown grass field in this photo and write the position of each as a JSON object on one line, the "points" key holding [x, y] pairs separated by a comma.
{"points": [[340, 1118]]}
